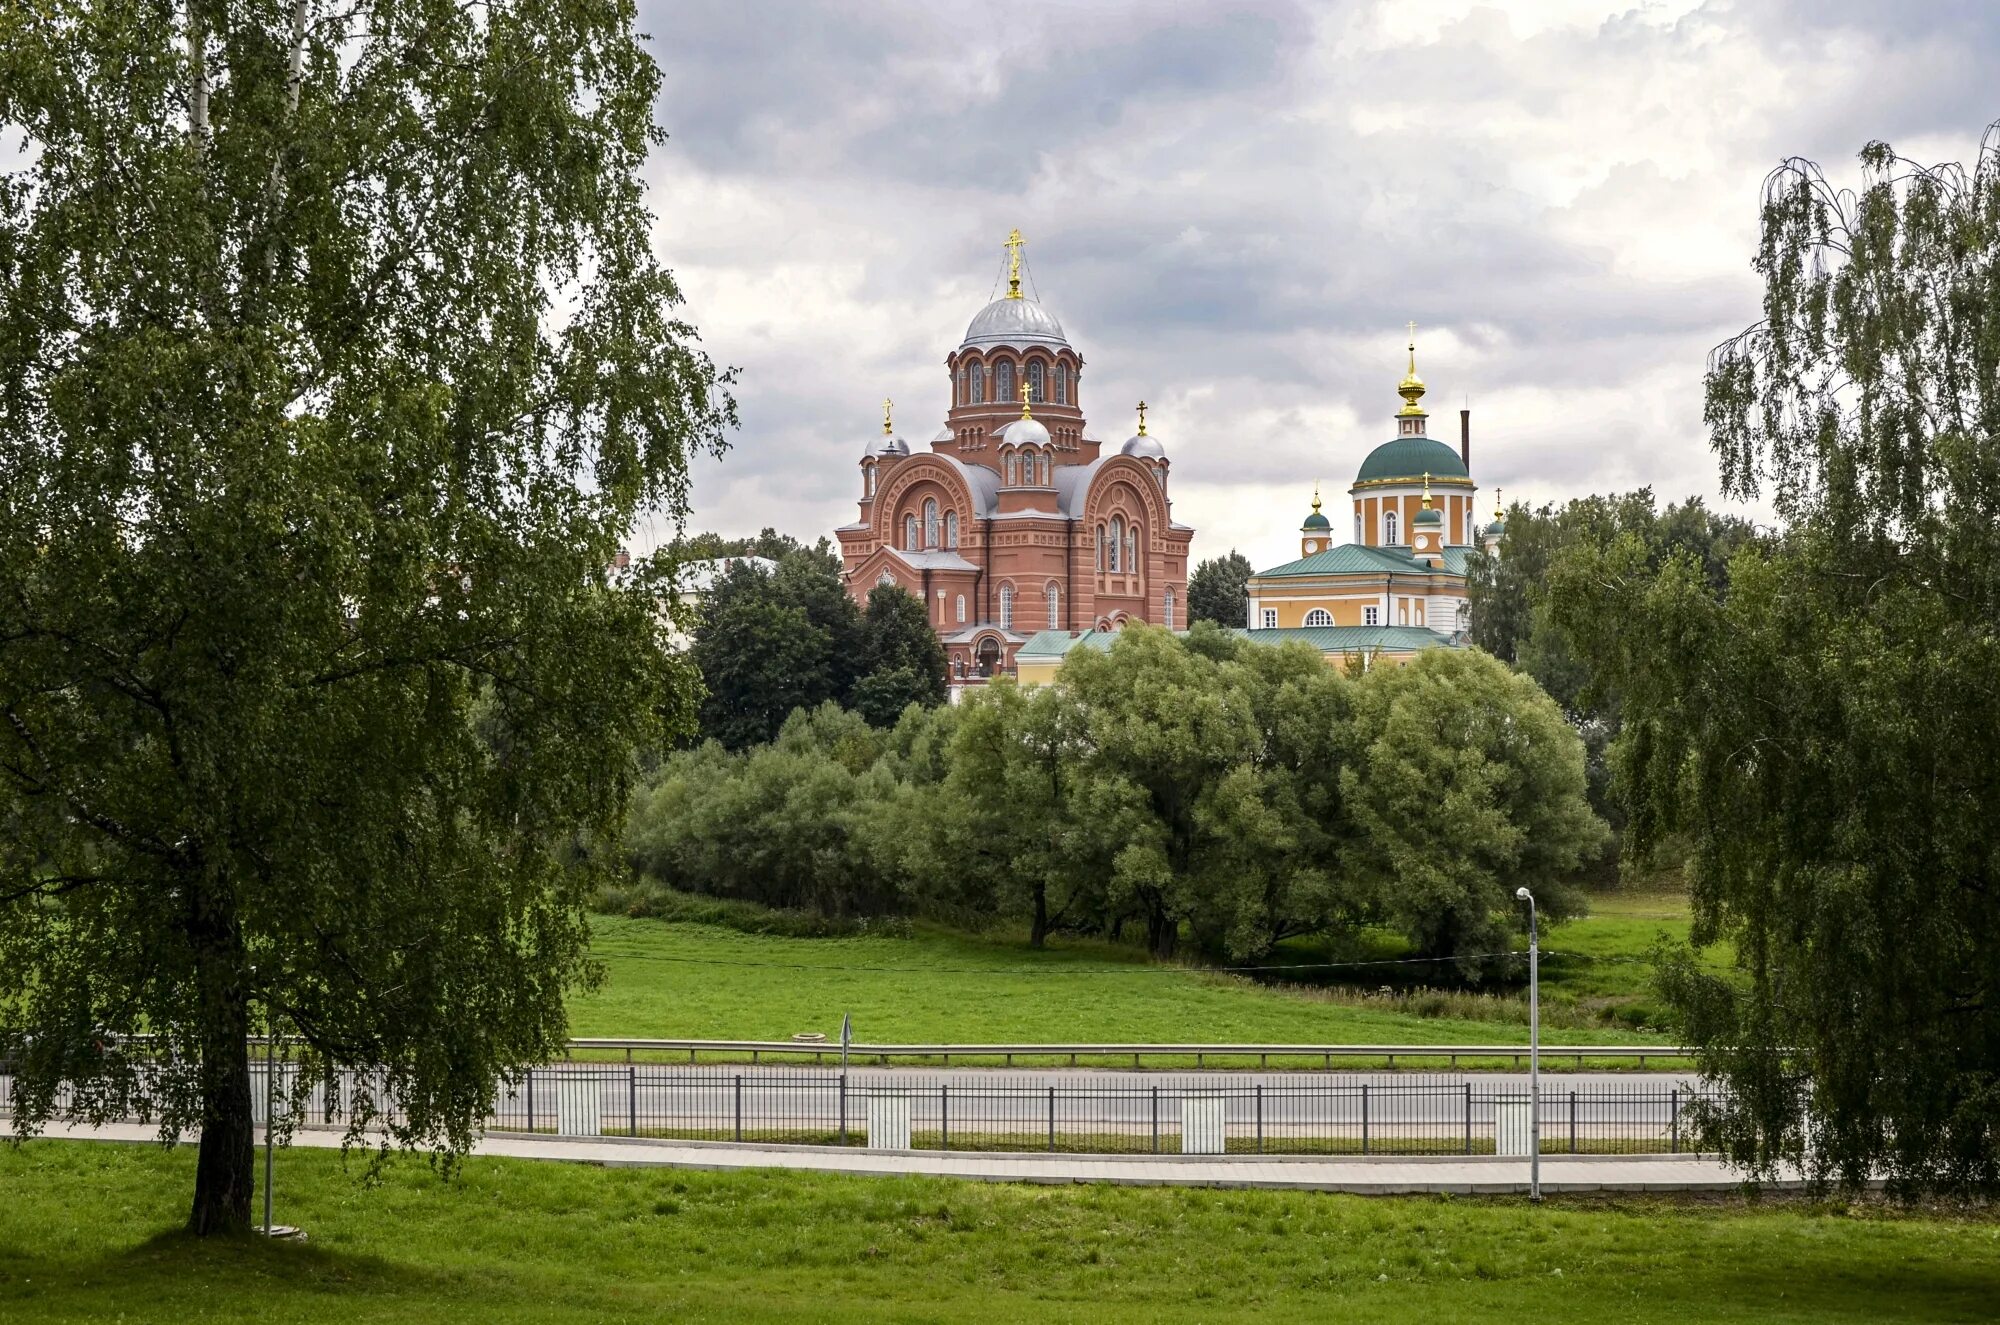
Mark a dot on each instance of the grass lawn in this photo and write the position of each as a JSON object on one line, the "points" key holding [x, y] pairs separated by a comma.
{"points": [[683, 981], [87, 1233]]}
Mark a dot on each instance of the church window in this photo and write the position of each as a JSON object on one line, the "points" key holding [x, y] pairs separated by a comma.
{"points": [[961, 621], [1403, 613], [1117, 543], [1468, 528], [1389, 528], [951, 532], [1046, 480], [1013, 470], [1006, 607], [1132, 550], [978, 382], [1420, 611], [910, 532], [1319, 616], [1371, 616], [1055, 607], [930, 522], [1270, 618], [1035, 381], [1003, 378], [1100, 549], [1167, 609], [1062, 384]]}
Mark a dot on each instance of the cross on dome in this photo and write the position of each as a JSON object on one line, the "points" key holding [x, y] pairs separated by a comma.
{"points": [[1013, 247], [1142, 418]]}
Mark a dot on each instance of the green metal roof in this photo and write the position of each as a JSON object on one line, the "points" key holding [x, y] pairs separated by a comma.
{"points": [[1351, 559], [1317, 521], [1411, 458], [1352, 639]]}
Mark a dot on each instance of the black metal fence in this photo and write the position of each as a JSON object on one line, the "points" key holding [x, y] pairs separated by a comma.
{"points": [[1091, 1113]]}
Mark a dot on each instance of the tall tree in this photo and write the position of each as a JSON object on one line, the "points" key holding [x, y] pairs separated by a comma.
{"points": [[1215, 589], [769, 642], [1827, 734], [904, 662], [302, 468]]}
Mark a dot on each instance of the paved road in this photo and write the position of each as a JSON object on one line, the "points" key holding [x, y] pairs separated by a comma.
{"points": [[1566, 1173]]}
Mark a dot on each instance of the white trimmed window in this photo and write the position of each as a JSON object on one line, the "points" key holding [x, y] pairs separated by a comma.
{"points": [[1167, 609], [1270, 618], [951, 529], [1389, 528], [1319, 616], [1006, 607], [1371, 616], [1055, 607], [961, 609]]}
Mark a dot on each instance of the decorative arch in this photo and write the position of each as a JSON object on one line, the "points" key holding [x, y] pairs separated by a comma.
{"points": [[1319, 616]]}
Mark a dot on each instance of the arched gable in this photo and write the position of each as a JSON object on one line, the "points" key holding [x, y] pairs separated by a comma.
{"points": [[919, 471], [1123, 472]]}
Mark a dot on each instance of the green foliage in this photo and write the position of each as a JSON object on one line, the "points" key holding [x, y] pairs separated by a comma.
{"points": [[328, 398], [1215, 589], [1826, 733]]}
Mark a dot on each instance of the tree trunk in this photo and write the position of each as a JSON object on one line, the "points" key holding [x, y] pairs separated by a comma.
{"points": [[1162, 932], [1039, 933], [226, 1164]]}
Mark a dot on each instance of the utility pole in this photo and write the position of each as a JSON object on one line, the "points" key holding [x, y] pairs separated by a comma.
{"points": [[1534, 1052]]}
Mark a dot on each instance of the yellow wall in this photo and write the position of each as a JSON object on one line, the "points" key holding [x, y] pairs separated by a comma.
{"points": [[1037, 672]]}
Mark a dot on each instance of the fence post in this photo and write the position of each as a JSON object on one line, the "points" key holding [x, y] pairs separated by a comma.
{"points": [[531, 1099], [1364, 1117], [944, 1115], [843, 1108], [1052, 1120], [1156, 1120], [1572, 1122], [1260, 1117], [1468, 1118], [632, 1096], [1675, 1105], [739, 1106]]}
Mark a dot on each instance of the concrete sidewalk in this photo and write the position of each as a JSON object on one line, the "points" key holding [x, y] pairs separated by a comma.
{"points": [[1374, 1176]]}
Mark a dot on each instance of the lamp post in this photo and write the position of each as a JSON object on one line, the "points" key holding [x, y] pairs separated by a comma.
{"points": [[1534, 1052]]}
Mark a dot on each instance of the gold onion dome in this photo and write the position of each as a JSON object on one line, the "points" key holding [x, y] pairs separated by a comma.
{"points": [[1411, 388], [1316, 520]]}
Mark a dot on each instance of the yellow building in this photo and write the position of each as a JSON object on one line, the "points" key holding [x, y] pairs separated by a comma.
{"points": [[1413, 524]]}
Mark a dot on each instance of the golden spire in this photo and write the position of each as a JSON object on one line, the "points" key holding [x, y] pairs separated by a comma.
{"points": [[1013, 247], [1499, 510], [1411, 388], [1315, 497], [886, 429], [1142, 418], [1427, 489], [1024, 400]]}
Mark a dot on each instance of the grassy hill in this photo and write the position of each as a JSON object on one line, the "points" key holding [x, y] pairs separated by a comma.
{"points": [[708, 982]]}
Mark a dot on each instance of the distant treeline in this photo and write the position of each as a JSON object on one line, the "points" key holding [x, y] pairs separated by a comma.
{"points": [[1200, 790]]}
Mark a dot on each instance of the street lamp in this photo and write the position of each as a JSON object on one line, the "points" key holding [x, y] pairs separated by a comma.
{"points": [[1534, 1052]]}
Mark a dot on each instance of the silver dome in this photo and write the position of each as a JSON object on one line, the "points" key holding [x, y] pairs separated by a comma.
{"points": [[1144, 447], [1025, 432], [1015, 322], [891, 446]]}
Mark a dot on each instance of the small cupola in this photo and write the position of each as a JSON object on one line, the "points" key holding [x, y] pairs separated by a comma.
{"points": [[1411, 418], [1316, 534], [1427, 531], [1494, 532]]}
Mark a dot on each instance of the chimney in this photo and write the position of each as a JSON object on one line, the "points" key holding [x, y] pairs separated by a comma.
{"points": [[1465, 439]]}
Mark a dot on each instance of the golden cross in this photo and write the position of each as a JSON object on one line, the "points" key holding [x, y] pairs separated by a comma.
{"points": [[1142, 418], [1024, 399], [1413, 334], [1013, 247], [886, 429]]}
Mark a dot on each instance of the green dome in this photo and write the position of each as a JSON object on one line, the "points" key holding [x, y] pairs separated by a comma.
{"points": [[1411, 458], [1429, 516], [1317, 521]]}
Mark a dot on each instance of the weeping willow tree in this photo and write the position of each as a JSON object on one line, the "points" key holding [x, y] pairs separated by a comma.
{"points": [[1827, 733], [334, 366]]}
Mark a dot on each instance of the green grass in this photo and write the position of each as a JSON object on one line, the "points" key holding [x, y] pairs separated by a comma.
{"points": [[87, 1233], [697, 981], [676, 981]]}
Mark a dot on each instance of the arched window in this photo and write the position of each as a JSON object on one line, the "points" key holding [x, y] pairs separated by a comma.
{"points": [[1055, 607], [930, 522], [1468, 528], [1117, 543], [978, 383], [910, 532], [1100, 549], [1013, 470], [1132, 550], [961, 615], [1319, 616], [1035, 381], [1045, 471], [1357, 528], [951, 532], [1167, 609], [1006, 607], [1062, 384], [1003, 378], [1389, 528]]}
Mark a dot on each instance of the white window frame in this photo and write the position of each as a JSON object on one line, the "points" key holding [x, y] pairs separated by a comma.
{"points": [[1325, 617], [1270, 618], [1371, 615]]}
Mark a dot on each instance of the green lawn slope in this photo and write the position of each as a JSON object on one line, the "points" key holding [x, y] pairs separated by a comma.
{"points": [[88, 1233]]}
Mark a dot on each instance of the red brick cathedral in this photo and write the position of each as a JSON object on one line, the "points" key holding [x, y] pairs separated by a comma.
{"points": [[1017, 519]]}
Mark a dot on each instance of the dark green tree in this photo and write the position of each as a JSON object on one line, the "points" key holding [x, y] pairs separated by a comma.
{"points": [[769, 642], [301, 469], [1826, 734], [903, 661], [1215, 589]]}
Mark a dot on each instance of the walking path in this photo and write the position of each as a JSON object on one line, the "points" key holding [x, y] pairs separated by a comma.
{"points": [[1375, 1176]]}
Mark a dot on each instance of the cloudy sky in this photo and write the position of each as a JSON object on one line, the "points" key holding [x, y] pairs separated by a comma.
{"points": [[1235, 207]]}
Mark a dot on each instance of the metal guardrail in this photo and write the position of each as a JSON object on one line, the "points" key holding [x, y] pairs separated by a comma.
{"points": [[820, 1051]]}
